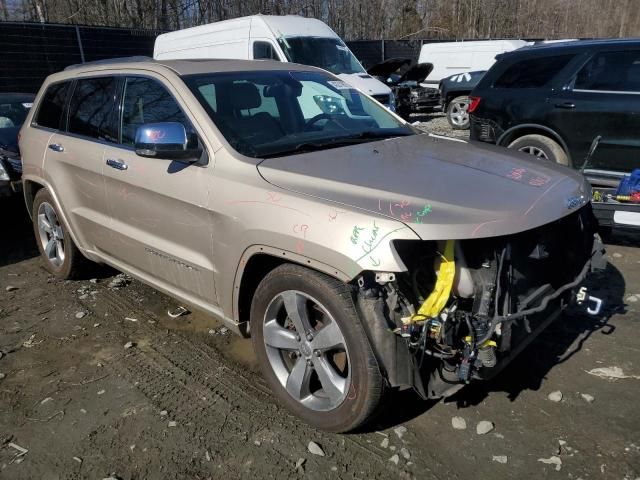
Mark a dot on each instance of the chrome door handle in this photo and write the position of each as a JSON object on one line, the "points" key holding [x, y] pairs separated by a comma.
{"points": [[56, 147], [117, 164], [567, 105]]}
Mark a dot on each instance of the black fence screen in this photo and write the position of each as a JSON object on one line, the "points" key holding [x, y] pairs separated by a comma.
{"points": [[32, 51]]}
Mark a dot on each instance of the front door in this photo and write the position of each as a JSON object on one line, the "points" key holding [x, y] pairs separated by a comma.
{"points": [[161, 225]]}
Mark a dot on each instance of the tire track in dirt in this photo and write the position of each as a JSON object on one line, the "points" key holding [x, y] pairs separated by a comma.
{"points": [[199, 388]]}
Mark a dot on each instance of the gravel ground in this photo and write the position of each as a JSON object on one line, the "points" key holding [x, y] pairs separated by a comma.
{"points": [[97, 381], [436, 122]]}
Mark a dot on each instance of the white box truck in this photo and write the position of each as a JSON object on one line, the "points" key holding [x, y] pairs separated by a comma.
{"points": [[287, 38]]}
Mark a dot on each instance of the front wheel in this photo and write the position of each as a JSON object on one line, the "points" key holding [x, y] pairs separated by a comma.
{"points": [[312, 349]]}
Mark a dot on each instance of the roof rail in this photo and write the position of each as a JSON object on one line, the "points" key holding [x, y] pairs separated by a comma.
{"points": [[108, 61]]}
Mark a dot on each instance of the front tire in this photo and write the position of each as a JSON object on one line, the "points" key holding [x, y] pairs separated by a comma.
{"points": [[541, 147], [57, 250], [313, 350]]}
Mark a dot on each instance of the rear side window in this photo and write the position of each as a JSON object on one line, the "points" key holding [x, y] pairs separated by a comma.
{"points": [[264, 50], [532, 72], [91, 109], [147, 101], [51, 106], [611, 71]]}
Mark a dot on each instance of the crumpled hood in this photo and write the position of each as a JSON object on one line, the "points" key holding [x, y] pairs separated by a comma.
{"points": [[441, 188]]}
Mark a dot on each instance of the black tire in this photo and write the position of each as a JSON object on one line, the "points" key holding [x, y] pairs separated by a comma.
{"points": [[366, 387], [74, 263], [541, 147], [456, 119]]}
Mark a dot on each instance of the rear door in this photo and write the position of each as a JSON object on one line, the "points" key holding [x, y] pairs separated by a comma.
{"points": [[73, 162], [603, 99], [161, 224]]}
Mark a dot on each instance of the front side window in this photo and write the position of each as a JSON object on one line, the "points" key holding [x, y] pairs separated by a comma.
{"points": [[91, 109], [533, 72], [51, 106], [611, 71], [264, 51], [327, 53], [147, 101], [275, 113]]}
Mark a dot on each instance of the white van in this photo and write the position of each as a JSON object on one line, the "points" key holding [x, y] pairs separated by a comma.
{"points": [[449, 58], [288, 38]]}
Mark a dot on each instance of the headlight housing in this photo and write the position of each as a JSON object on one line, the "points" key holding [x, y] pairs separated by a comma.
{"points": [[392, 102]]}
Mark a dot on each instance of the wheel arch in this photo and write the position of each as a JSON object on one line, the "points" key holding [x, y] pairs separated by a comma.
{"points": [[532, 129], [30, 189], [256, 262]]}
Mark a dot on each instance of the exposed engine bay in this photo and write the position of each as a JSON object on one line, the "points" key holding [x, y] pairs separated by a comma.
{"points": [[464, 308]]}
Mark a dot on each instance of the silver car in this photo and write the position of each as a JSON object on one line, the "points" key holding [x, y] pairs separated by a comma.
{"points": [[358, 253]]}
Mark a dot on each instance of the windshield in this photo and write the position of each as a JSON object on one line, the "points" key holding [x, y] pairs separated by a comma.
{"points": [[13, 113], [327, 53], [274, 113]]}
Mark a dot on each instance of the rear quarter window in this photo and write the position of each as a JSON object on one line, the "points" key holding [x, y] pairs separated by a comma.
{"points": [[51, 108], [532, 72]]}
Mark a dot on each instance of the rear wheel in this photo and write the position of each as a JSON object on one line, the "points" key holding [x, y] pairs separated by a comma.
{"points": [[60, 255], [458, 113], [541, 147], [313, 350]]}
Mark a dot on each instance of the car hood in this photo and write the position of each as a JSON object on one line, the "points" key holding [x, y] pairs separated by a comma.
{"points": [[365, 83], [386, 68], [441, 188]]}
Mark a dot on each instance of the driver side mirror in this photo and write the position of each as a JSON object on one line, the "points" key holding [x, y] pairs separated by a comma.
{"points": [[167, 140]]}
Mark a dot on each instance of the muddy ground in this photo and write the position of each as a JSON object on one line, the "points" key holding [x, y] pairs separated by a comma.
{"points": [[186, 401]]}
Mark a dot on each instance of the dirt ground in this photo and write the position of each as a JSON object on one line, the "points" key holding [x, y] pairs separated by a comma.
{"points": [[186, 400]]}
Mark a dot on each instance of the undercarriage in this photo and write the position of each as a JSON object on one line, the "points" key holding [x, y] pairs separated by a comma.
{"points": [[465, 308]]}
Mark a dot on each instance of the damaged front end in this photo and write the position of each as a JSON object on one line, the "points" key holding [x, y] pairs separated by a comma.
{"points": [[465, 308]]}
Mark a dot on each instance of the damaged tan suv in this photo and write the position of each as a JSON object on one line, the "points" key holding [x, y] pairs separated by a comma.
{"points": [[358, 253]]}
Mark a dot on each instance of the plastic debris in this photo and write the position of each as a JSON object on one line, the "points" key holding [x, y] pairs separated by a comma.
{"points": [[500, 458], [400, 431], [553, 460], [611, 373], [587, 398], [129, 345], [395, 459], [178, 312]]}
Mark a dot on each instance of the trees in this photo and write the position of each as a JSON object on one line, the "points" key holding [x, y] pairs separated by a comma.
{"points": [[358, 19]]}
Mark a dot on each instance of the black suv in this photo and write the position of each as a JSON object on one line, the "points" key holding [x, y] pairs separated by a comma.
{"points": [[552, 100]]}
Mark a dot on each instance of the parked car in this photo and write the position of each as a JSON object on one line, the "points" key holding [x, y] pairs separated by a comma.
{"points": [[450, 58], [13, 111], [454, 97], [287, 38], [404, 80], [553, 100], [359, 254]]}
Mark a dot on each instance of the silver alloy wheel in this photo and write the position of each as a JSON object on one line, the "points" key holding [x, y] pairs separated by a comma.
{"points": [[51, 234], [307, 350], [535, 151], [459, 113]]}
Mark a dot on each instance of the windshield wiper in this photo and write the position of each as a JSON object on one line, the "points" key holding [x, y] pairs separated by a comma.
{"points": [[336, 142]]}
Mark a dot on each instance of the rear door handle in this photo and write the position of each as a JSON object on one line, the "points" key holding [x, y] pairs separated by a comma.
{"points": [[56, 147], [566, 105], [117, 164]]}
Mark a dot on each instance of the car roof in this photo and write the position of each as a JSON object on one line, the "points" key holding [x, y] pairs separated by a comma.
{"points": [[181, 67], [572, 46]]}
